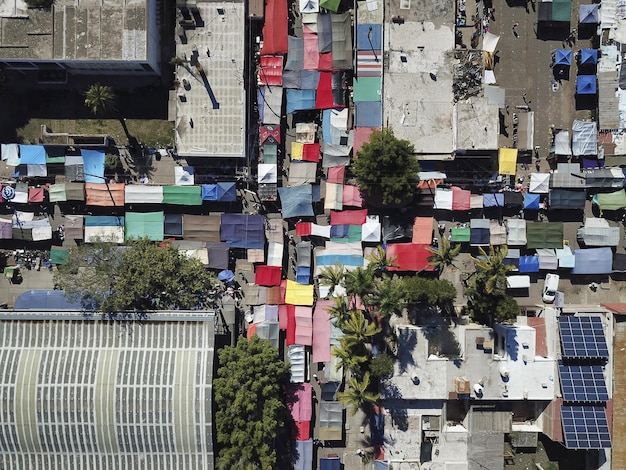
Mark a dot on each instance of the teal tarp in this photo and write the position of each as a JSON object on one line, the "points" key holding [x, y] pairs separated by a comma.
{"points": [[144, 225]]}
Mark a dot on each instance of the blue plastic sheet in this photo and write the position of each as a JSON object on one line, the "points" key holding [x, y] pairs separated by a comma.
{"points": [[32, 155], [529, 264], [531, 201], [93, 165]]}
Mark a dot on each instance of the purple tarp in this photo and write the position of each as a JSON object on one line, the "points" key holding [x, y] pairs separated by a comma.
{"points": [[243, 231]]}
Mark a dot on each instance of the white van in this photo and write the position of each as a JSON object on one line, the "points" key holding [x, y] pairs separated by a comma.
{"points": [[550, 286]]}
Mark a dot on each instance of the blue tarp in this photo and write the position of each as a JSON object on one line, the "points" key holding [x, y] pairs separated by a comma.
{"points": [[330, 463], [303, 275], [326, 134], [296, 201], [339, 231], [369, 114], [243, 230], [531, 201], [479, 236], [300, 100], [309, 79], [209, 192], [588, 14], [45, 300], [369, 37], [223, 192], [529, 264], [32, 155], [588, 56], [586, 85], [563, 57], [103, 221], [493, 200], [93, 165], [346, 260], [173, 225], [593, 261]]}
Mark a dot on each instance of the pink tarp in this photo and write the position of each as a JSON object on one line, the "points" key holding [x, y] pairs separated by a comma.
{"points": [[324, 94], [348, 217], [311, 51], [300, 401], [336, 174], [321, 331], [423, 231], [275, 27], [303, 229], [304, 326], [283, 316], [352, 196], [361, 136], [409, 257], [460, 199]]}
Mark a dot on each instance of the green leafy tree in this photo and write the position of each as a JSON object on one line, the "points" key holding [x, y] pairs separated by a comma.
{"points": [[491, 270], [358, 393], [444, 256], [386, 167], [252, 420], [487, 308], [100, 99], [144, 276], [331, 276], [381, 365], [433, 292]]}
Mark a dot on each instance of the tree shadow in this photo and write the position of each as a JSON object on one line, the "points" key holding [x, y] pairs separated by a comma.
{"points": [[407, 340], [399, 415]]}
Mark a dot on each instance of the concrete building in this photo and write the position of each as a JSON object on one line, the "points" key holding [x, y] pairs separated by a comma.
{"points": [[108, 38], [87, 394]]}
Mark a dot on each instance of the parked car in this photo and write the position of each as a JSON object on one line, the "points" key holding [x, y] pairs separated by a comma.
{"points": [[550, 286]]}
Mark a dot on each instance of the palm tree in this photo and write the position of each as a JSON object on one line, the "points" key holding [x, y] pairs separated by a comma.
{"points": [[379, 261], [490, 269], [444, 256], [388, 298], [100, 99], [360, 282], [349, 359], [357, 394], [357, 331], [339, 311], [331, 276]]}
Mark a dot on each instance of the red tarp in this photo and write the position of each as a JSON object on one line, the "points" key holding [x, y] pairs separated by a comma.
{"points": [[266, 132], [361, 136], [311, 50], [275, 28], [324, 94], [271, 70], [311, 152], [460, 199], [325, 61], [267, 275], [348, 217], [336, 174], [423, 230], [251, 330], [290, 337], [35, 194], [409, 257], [303, 229], [321, 331], [303, 430]]}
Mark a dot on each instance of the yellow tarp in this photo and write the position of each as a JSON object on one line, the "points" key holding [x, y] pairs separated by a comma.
{"points": [[299, 294], [508, 161], [297, 149]]}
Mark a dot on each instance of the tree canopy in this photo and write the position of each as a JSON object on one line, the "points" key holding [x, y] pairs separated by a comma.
{"points": [[100, 99], [386, 167], [141, 277], [252, 420]]}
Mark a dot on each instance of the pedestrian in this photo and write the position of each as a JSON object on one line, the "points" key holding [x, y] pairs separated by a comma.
{"points": [[514, 30]]}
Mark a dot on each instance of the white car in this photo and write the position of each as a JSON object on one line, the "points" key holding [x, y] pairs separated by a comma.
{"points": [[550, 286]]}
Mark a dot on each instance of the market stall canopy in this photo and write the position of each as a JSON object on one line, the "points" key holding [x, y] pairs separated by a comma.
{"points": [[555, 11], [588, 56], [562, 143], [593, 261], [566, 257], [563, 199], [611, 201], [271, 70], [144, 225], [547, 259], [409, 257], [586, 85], [297, 201], [531, 201], [539, 183], [242, 230], [518, 282], [108, 228], [105, 195], [443, 199], [529, 264], [423, 230], [508, 161], [544, 235], [588, 14], [490, 42], [598, 232], [563, 57], [460, 234], [479, 233], [461, 199], [585, 137], [143, 194], [275, 30], [605, 178], [182, 195]]}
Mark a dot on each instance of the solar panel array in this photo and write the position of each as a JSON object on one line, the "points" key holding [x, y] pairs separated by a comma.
{"points": [[585, 427], [582, 337], [583, 383]]}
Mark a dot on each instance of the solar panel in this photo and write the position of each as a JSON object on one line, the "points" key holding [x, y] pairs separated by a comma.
{"points": [[585, 427], [582, 337], [583, 383]]}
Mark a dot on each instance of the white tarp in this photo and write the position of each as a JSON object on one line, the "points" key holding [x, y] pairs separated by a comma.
{"points": [[547, 259], [476, 201], [598, 232], [490, 42], [539, 183], [297, 357], [339, 118], [182, 177], [320, 231], [443, 199], [275, 254], [584, 138], [497, 233], [334, 197], [267, 173], [518, 282], [142, 194], [370, 232], [10, 154], [516, 235], [561, 143]]}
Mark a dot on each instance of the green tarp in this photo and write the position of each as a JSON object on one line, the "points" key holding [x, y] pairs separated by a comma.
{"points": [[460, 234], [562, 10], [58, 256], [332, 5], [270, 153], [544, 235], [182, 195], [611, 201], [367, 89], [144, 225]]}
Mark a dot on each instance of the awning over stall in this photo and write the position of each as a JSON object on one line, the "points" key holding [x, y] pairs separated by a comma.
{"points": [[593, 261], [544, 235]]}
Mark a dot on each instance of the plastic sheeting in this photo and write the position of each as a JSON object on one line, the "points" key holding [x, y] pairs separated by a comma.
{"points": [[106, 195], [508, 161], [93, 165], [182, 195], [479, 232], [461, 199], [331, 421], [296, 356], [107, 228], [561, 143], [611, 201], [56, 193], [368, 114], [497, 233], [275, 28], [297, 201], [295, 55], [544, 235], [564, 199], [270, 104], [593, 261], [242, 230], [45, 300], [565, 257], [539, 183], [443, 199], [142, 194], [321, 331], [516, 234], [460, 234], [529, 264], [350, 255], [300, 100], [299, 294], [409, 257], [144, 225], [493, 200], [201, 227], [271, 70], [547, 259], [301, 173], [173, 225], [423, 230], [32, 155], [268, 275], [303, 317], [584, 138], [303, 455], [598, 232]]}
